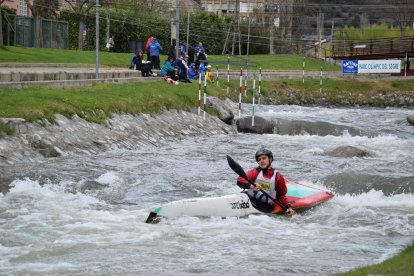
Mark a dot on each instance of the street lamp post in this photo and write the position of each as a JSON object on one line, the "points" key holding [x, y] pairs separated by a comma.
{"points": [[177, 26], [97, 41]]}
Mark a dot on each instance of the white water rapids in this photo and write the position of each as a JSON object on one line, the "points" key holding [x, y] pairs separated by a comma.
{"points": [[85, 215]]}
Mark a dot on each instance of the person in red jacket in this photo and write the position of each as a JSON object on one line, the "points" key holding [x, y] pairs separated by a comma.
{"points": [[147, 49], [266, 178]]}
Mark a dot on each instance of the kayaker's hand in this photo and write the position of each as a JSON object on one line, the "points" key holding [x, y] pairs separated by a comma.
{"points": [[290, 212], [256, 188]]}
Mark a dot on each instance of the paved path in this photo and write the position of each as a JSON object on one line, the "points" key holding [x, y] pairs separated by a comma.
{"points": [[20, 75]]}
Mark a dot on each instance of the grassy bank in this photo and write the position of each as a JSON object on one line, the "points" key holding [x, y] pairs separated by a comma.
{"points": [[98, 102], [266, 62], [379, 93], [335, 86], [400, 265]]}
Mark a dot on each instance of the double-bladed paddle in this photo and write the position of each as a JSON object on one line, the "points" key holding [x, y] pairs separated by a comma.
{"points": [[239, 170]]}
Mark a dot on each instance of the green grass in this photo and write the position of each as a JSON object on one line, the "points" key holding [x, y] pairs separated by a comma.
{"points": [[403, 85], [97, 103], [254, 62], [328, 85], [400, 265], [45, 55], [271, 62]]}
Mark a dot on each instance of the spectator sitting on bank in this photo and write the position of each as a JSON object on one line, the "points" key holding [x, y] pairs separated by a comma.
{"points": [[143, 65], [167, 67], [187, 61], [209, 74], [168, 71], [182, 69], [155, 49], [192, 72], [173, 77]]}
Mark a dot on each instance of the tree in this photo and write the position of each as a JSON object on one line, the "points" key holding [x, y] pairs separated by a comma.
{"points": [[403, 14], [300, 24], [81, 9]]}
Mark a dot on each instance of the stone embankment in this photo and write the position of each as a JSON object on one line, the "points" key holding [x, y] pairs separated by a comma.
{"points": [[20, 75], [38, 141]]}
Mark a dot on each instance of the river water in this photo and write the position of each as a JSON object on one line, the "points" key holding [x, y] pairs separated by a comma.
{"points": [[84, 215]]}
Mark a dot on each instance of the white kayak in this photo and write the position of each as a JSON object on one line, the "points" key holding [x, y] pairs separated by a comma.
{"points": [[237, 205]]}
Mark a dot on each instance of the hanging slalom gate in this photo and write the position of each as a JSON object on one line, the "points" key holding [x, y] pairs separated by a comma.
{"points": [[256, 93], [21, 31]]}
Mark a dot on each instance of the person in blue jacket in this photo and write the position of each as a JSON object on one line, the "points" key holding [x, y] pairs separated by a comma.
{"points": [[192, 72], [155, 49], [167, 67], [182, 68]]}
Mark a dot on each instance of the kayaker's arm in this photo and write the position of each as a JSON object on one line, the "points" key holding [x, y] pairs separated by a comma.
{"points": [[251, 175], [239, 170], [281, 194]]}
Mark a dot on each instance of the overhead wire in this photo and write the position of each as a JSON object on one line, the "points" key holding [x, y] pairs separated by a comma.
{"points": [[207, 33]]}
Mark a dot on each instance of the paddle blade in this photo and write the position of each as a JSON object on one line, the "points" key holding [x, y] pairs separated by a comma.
{"points": [[236, 168], [153, 218]]}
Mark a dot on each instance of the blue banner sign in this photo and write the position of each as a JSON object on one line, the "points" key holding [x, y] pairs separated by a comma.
{"points": [[350, 66], [371, 66]]}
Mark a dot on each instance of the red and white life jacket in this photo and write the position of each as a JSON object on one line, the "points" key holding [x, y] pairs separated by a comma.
{"points": [[268, 185]]}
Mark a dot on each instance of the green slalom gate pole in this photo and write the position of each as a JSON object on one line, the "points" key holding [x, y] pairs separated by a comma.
{"points": [[254, 96], [320, 82], [205, 94], [260, 85]]}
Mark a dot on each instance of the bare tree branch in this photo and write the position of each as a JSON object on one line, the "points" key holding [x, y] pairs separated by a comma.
{"points": [[81, 8]]}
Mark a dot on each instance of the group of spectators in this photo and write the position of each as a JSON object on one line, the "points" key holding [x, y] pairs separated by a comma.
{"points": [[138, 62], [187, 66]]}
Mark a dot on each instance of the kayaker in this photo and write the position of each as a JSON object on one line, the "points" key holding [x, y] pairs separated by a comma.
{"points": [[266, 178]]}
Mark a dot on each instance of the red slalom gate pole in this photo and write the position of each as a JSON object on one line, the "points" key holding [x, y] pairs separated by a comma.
{"points": [[228, 72], [199, 93], [241, 89]]}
